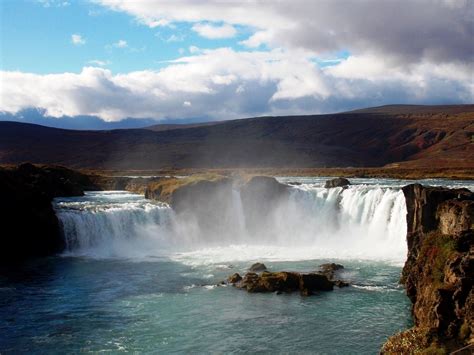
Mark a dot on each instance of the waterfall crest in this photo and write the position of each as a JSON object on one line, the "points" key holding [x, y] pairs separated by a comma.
{"points": [[360, 222]]}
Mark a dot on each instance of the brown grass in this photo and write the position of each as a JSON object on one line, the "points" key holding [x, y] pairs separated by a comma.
{"points": [[167, 186], [395, 172]]}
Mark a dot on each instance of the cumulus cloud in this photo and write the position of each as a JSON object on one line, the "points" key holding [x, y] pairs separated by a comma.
{"points": [[215, 32], [77, 40], [408, 31], [224, 83], [416, 52]]}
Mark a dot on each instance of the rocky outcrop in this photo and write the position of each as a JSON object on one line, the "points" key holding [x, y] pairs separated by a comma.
{"points": [[439, 270], [331, 270], [259, 196], [257, 267], [136, 185], [29, 225], [337, 182], [282, 281], [202, 200], [212, 200]]}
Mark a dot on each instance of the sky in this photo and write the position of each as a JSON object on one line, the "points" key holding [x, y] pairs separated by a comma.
{"points": [[185, 60]]}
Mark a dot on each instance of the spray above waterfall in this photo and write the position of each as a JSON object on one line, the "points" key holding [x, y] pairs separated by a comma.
{"points": [[360, 222]]}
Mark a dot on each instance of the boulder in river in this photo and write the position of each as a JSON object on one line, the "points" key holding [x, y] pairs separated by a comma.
{"points": [[337, 182], [329, 269], [234, 278], [257, 267], [282, 281]]}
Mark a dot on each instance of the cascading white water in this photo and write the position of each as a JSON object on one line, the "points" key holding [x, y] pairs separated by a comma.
{"points": [[360, 222], [112, 223]]}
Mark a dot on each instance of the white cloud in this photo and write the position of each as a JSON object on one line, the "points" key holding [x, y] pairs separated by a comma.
{"points": [[54, 3], [120, 44], [193, 49], [77, 40], [224, 83], [214, 32], [175, 38], [101, 63], [423, 30]]}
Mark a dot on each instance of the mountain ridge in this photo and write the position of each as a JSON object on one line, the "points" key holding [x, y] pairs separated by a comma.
{"points": [[413, 136]]}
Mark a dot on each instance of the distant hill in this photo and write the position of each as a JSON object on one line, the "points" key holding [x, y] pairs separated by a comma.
{"points": [[412, 136], [166, 127]]}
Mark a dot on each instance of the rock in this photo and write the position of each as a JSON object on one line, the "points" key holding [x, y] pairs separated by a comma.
{"points": [[340, 283], [259, 196], [312, 282], [282, 281], [439, 268], [337, 182], [202, 201], [257, 267], [234, 278], [329, 269], [30, 227]]}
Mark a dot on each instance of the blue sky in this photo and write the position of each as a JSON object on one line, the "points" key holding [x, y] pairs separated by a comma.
{"points": [[210, 60], [36, 38]]}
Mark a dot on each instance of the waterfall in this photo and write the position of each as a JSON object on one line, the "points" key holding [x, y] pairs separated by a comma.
{"points": [[360, 222], [109, 223]]}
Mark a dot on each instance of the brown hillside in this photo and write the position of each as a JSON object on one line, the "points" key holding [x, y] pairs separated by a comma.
{"points": [[411, 136]]}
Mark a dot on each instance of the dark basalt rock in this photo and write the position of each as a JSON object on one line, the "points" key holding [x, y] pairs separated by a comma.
{"points": [[29, 225], [234, 278], [337, 182], [340, 283], [282, 281], [330, 269], [257, 267], [439, 270]]}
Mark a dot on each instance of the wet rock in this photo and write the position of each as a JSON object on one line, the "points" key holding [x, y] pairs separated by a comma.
{"points": [[340, 283], [329, 269], [283, 281], [257, 267], [310, 283], [337, 182], [234, 278]]}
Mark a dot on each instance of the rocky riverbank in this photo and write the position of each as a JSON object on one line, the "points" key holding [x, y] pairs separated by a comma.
{"points": [[439, 270]]}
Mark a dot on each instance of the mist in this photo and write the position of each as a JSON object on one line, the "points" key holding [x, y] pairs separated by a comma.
{"points": [[359, 222]]}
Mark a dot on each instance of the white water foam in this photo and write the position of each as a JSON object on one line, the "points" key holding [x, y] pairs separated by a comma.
{"points": [[360, 222]]}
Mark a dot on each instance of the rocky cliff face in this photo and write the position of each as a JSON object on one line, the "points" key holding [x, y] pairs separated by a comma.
{"points": [[259, 196], [439, 270], [213, 201], [29, 225]]}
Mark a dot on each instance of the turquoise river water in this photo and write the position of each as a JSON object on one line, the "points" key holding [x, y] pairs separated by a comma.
{"points": [[135, 277]]}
